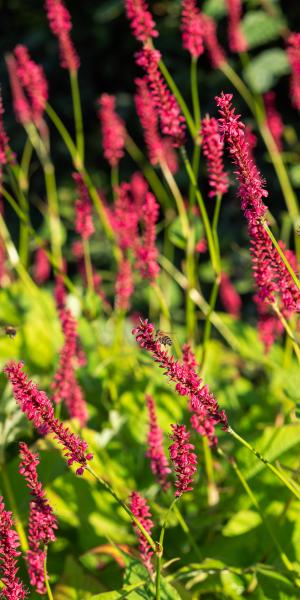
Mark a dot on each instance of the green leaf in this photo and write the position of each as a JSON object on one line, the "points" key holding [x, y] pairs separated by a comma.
{"points": [[241, 522], [259, 29], [275, 585], [75, 583], [214, 8], [176, 235], [265, 69], [118, 594]]}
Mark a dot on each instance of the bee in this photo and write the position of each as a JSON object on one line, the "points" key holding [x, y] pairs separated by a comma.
{"points": [[10, 331], [163, 338]]}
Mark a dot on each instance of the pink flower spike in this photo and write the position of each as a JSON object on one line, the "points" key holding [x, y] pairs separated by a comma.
{"points": [[83, 208], [216, 54], [9, 543], [183, 459], [33, 81], [146, 251], [140, 509], [20, 102], [124, 285], [293, 51], [251, 184], [60, 24], [41, 267], [155, 452], [192, 28], [38, 409], [186, 379], [113, 130], [237, 40], [213, 147], [171, 120], [42, 522], [4, 139], [229, 297], [141, 20], [274, 120]]}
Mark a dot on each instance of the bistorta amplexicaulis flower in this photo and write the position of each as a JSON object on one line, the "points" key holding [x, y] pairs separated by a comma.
{"points": [[155, 451], [192, 28], [213, 147], [140, 509], [112, 128], [9, 542], [141, 21], [183, 458], [60, 24]]}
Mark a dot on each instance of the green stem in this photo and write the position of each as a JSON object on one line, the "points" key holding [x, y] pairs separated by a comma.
{"points": [[177, 197], [159, 553], [190, 272], [14, 258], [114, 179], [11, 499], [282, 255], [77, 114], [212, 490], [172, 85], [54, 221], [207, 326], [204, 215], [18, 183], [215, 221], [287, 482], [238, 83], [186, 530], [285, 560], [49, 593], [88, 265], [25, 164], [109, 489], [288, 330], [195, 94]]}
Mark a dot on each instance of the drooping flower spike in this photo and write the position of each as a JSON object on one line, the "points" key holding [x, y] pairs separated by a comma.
{"points": [[42, 521], [9, 542], [155, 451], [213, 147], [38, 409], [192, 28], [60, 24], [141, 21], [183, 458], [140, 509], [186, 379]]}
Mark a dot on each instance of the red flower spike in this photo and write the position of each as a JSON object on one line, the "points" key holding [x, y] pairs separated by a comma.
{"points": [[113, 130], [141, 20], [183, 459], [237, 40], [155, 452], [84, 222], [60, 24], [213, 147], [293, 51], [192, 28], [124, 285], [140, 509], [274, 120], [216, 54], [9, 543], [229, 297]]}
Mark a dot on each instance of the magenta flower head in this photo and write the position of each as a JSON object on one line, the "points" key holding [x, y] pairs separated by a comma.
{"points": [[141, 20], [274, 120], [124, 285], [269, 326], [41, 267], [293, 51], [251, 184], [155, 452], [186, 379], [140, 509], [213, 147], [183, 459], [237, 40], [146, 251], [113, 130], [42, 522], [4, 139], [60, 24], [229, 297], [65, 387], [9, 543], [38, 409], [171, 120], [83, 208], [215, 52], [192, 28]]}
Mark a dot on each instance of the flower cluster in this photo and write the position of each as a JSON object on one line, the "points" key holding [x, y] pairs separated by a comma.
{"points": [[155, 452], [141, 20], [293, 52], [229, 296], [192, 28], [171, 120], [215, 52], [38, 409], [84, 222], [112, 128], [146, 251], [65, 387], [124, 285], [183, 459], [213, 147], [251, 184], [9, 543], [274, 120], [60, 24], [187, 381], [29, 86], [41, 267], [42, 522], [237, 40], [140, 509]]}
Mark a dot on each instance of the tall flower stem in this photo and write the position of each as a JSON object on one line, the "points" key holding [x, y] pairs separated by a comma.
{"points": [[159, 553], [173, 87], [88, 265], [114, 179], [288, 331], [177, 197], [195, 94], [185, 528], [17, 181], [14, 258], [212, 490], [77, 114], [291, 485], [207, 327], [210, 240], [11, 499], [109, 489], [47, 584], [191, 277], [285, 560]]}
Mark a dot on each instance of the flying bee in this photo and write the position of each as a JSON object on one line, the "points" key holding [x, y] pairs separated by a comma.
{"points": [[10, 331], [163, 338]]}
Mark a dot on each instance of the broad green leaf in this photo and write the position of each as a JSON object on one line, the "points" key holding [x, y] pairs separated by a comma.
{"points": [[275, 585], [241, 522], [265, 69], [260, 29]]}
